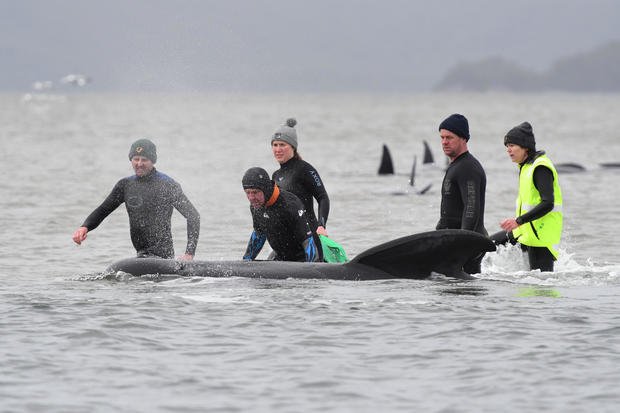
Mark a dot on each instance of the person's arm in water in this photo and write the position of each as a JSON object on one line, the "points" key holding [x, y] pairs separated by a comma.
{"points": [[543, 181], [113, 200], [185, 207], [315, 185], [255, 245]]}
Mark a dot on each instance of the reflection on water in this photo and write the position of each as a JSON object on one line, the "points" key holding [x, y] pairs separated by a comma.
{"points": [[537, 291], [465, 290]]}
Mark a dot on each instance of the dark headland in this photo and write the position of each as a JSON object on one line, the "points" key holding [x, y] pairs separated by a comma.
{"points": [[593, 71]]}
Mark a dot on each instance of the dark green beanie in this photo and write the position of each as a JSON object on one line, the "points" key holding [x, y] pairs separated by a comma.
{"points": [[143, 147]]}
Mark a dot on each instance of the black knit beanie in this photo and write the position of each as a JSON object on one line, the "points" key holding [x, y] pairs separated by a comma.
{"points": [[258, 178], [521, 135], [143, 147], [456, 124]]}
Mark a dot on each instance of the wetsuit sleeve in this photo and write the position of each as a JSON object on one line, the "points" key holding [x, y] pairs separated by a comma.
{"points": [[543, 181], [471, 194], [185, 207], [257, 240], [113, 200], [314, 184], [502, 238], [310, 249], [323, 209]]}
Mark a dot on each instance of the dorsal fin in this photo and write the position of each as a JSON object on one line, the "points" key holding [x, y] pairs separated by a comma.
{"points": [[386, 167], [412, 176], [428, 155], [443, 251]]}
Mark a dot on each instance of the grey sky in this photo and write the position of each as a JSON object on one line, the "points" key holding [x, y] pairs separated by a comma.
{"points": [[286, 45]]}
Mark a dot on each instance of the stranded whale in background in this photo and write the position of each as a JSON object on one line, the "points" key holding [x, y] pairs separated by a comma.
{"points": [[386, 167], [571, 167], [412, 257]]}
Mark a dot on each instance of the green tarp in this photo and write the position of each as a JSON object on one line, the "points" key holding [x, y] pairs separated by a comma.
{"points": [[332, 251]]}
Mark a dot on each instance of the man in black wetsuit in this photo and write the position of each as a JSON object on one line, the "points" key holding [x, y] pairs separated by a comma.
{"points": [[149, 197], [464, 185], [278, 217]]}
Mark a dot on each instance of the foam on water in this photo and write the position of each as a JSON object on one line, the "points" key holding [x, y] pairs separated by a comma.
{"points": [[510, 263]]}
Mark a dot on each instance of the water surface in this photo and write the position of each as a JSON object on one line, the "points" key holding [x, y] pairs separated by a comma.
{"points": [[73, 339]]}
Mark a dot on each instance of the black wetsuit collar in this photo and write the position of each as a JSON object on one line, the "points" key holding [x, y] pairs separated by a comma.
{"points": [[288, 163], [460, 156]]}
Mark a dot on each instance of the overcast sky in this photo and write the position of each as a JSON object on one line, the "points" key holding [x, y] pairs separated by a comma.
{"points": [[286, 45]]}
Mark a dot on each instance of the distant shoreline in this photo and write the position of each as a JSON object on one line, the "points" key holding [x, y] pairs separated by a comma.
{"points": [[593, 71]]}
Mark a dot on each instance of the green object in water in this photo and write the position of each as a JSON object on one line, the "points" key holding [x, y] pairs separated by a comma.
{"points": [[332, 251], [537, 292]]}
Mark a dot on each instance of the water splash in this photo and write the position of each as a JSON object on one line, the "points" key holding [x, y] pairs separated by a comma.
{"points": [[510, 263]]}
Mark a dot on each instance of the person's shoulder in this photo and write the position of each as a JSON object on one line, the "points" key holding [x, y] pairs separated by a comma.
{"points": [[286, 195], [471, 159], [124, 181], [468, 156], [160, 176], [289, 198], [541, 157], [306, 165], [542, 162], [467, 165]]}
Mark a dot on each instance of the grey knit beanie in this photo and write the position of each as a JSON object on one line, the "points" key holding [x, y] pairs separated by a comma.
{"points": [[287, 133]]}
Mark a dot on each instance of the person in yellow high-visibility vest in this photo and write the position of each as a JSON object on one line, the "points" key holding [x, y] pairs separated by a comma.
{"points": [[538, 223]]}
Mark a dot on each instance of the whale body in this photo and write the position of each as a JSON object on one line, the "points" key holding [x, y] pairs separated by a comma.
{"points": [[411, 257]]}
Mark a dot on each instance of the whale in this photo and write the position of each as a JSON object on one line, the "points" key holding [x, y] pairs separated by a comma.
{"points": [[428, 155], [569, 168], [387, 168], [416, 256]]}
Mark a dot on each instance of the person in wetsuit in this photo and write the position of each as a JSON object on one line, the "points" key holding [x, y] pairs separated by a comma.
{"points": [[279, 217], [464, 185], [299, 177], [538, 223], [149, 197]]}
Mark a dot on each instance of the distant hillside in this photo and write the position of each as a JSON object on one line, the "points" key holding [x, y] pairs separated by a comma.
{"points": [[595, 71]]}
